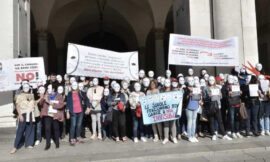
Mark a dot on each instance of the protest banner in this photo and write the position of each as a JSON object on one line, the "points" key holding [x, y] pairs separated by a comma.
{"points": [[196, 51], [13, 71], [161, 107], [94, 62]]}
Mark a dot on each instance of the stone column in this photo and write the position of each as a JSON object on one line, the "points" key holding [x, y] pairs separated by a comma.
{"points": [[237, 18], [159, 52], [43, 47]]}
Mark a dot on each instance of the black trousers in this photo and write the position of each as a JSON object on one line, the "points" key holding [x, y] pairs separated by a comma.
{"points": [[217, 116], [119, 123], [50, 123]]}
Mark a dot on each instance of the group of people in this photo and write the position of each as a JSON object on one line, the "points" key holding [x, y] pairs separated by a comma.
{"points": [[224, 104]]}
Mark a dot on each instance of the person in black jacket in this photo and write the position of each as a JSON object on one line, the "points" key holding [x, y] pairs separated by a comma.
{"points": [[106, 118]]}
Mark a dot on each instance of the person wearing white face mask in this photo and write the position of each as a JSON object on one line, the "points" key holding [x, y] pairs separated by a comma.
{"points": [[59, 79], [75, 112], [106, 115], [213, 105], [136, 112], [146, 83], [25, 105], [192, 101], [60, 91], [169, 124], [125, 90], [168, 74], [38, 123], [141, 75], [95, 94], [259, 67], [116, 102], [52, 113], [161, 85], [151, 74], [190, 74], [203, 72]]}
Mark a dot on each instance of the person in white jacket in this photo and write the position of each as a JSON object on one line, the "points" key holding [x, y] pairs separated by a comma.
{"points": [[136, 112]]}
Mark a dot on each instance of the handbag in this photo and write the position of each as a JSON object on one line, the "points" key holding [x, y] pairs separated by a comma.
{"points": [[109, 116], [121, 106], [243, 111], [139, 112]]}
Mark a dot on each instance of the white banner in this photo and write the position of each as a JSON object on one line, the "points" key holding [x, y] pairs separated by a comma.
{"points": [[94, 62], [13, 71], [196, 51]]}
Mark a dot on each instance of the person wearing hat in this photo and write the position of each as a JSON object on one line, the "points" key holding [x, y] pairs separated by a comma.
{"points": [[106, 82]]}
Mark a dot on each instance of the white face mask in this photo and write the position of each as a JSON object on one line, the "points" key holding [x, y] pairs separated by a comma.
{"points": [[168, 73], [26, 88], [116, 88], [91, 84], [174, 84], [221, 76], [81, 86], [66, 77], [180, 75], [211, 80], [60, 90], [190, 72], [162, 81], [74, 86], [146, 82], [59, 78], [197, 83], [167, 83], [204, 72], [196, 79], [106, 92], [95, 81], [141, 74], [202, 83], [151, 74], [82, 78], [243, 70], [113, 83], [259, 67], [159, 79], [206, 77], [125, 85], [106, 82], [181, 81], [137, 87], [41, 90], [72, 80], [191, 82]]}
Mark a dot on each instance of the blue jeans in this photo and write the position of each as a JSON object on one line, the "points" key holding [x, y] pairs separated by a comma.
{"points": [[234, 119], [137, 125], [75, 123], [191, 122], [38, 128], [264, 121], [252, 111], [28, 130]]}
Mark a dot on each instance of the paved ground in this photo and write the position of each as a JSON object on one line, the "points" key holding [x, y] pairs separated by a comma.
{"points": [[248, 149]]}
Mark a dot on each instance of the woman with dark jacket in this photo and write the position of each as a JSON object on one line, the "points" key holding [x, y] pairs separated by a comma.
{"points": [[105, 124], [52, 113], [75, 112], [252, 107], [116, 102]]}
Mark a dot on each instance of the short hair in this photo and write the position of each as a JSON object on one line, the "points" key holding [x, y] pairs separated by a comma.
{"points": [[53, 74]]}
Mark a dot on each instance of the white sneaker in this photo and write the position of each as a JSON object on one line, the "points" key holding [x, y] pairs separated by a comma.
{"points": [[267, 133], [214, 137], [239, 135], [262, 133], [165, 141], [191, 139], [37, 142], [155, 139], [175, 141], [136, 140], [229, 133], [184, 133], [51, 141], [234, 136], [195, 139], [227, 138], [143, 139], [216, 132]]}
